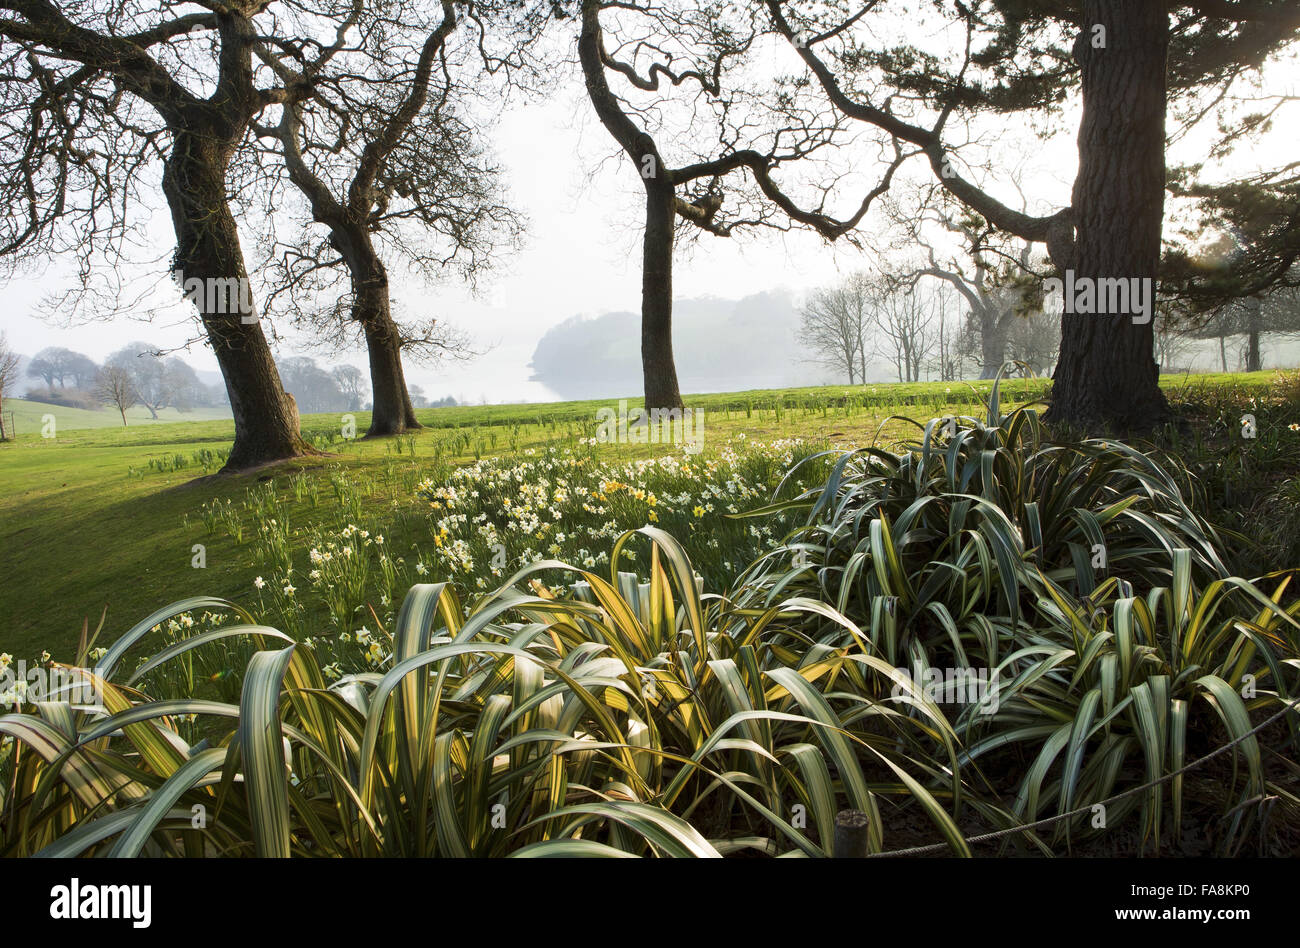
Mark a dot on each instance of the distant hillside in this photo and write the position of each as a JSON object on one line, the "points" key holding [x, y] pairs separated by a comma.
{"points": [[28, 416]]}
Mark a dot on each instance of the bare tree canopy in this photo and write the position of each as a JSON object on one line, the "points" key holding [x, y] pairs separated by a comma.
{"points": [[835, 324], [352, 383], [730, 144], [392, 166], [115, 386], [157, 381]]}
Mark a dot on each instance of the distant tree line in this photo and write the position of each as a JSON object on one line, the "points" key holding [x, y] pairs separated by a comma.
{"points": [[140, 374], [924, 329], [338, 388], [348, 115], [151, 378], [923, 333]]}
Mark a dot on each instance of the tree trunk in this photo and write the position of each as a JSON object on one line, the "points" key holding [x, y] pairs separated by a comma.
{"points": [[993, 346], [1223, 352], [658, 367], [123, 411], [207, 248], [1254, 326], [1106, 376], [392, 412]]}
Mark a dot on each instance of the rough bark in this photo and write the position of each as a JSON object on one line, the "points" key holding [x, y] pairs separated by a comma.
{"points": [[392, 412], [658, 368], [1106, 375], [207, 247], [349, 222]]}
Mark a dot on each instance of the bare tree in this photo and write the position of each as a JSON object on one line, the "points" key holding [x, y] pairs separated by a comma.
{"points": [[1172, 339], [9, 361], [996, 281], [835, 323], [697, 51], [150, 381], [352, 383], [905, 319], [106, 89], [947, 351], [185, 390], [380, 144], [52, 364], [115, 386], [82, 370], [315, 388]]}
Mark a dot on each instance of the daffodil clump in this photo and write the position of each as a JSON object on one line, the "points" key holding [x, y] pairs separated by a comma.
{"points": [[489, 519], [335, 584], [350, 575], [495, 516]]}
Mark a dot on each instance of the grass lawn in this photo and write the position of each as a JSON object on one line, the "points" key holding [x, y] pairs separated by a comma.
{"points": [[105, 518]]}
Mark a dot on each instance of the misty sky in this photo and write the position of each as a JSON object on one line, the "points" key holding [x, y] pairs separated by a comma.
{"points": [[582, 256]]}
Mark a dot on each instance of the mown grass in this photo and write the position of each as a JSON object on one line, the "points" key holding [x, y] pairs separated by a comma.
{"points": [[87, 523]]}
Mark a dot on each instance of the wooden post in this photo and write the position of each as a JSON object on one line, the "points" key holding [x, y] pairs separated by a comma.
{"points": [[850, 834]]}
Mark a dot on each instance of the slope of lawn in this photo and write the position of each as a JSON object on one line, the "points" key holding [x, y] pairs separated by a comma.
{"points": [[106, 518]]}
